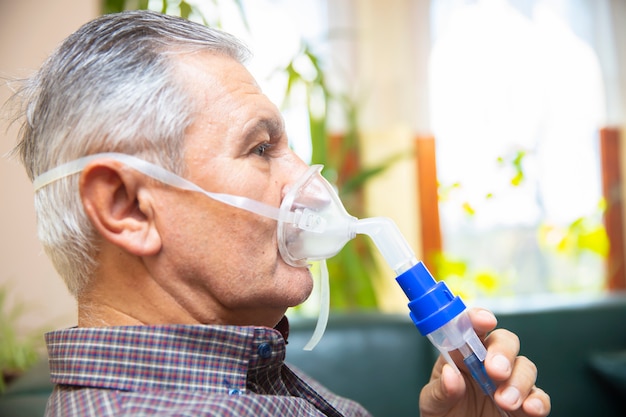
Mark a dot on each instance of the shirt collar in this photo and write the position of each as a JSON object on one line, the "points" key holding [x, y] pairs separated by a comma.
{"points": [[214, 359]]}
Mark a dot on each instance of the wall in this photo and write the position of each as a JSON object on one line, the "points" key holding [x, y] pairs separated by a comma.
{"points": [[29, 31]]}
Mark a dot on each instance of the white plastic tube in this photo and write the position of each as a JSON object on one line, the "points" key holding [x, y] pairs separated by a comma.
{"points": [[389, 241]]}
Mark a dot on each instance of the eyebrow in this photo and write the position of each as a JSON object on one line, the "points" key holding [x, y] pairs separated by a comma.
{"points": [[274, 126]]}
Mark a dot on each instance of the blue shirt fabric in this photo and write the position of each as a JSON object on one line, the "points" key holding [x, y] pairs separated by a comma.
{"points": [[182, 370]]}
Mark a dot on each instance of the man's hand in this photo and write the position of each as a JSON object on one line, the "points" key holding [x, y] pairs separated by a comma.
{"points": [[451, 394]]}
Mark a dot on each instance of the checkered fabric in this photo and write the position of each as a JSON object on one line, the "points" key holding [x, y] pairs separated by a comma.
{"points": [[182, 370]]}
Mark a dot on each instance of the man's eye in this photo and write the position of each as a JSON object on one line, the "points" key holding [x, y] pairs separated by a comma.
{"points": [[262, 148]]}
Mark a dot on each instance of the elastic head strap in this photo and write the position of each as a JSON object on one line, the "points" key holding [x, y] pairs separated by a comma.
{"points": [[159, 174]]}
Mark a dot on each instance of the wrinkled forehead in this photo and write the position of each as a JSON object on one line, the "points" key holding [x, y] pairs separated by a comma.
{"points": [[210, 71], [225, 92]]}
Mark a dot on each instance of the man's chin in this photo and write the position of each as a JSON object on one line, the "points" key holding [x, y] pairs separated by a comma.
{"points": [[306, 291]]}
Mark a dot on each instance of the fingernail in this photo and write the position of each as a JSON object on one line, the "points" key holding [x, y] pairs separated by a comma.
{"points": [[486, 314], [535, 404], [511, 395], [501, 363]]}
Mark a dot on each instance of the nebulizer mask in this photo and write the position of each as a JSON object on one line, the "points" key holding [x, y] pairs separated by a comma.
{"points": [[313, 225], [312, 222]]}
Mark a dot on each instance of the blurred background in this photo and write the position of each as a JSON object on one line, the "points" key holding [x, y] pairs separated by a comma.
{"points": [[488, 130]]}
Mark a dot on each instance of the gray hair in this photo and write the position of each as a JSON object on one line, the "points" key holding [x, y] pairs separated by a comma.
{"points": [[110, 87]]}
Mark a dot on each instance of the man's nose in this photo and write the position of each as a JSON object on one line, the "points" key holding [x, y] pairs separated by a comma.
{"points": [[294, 169]]}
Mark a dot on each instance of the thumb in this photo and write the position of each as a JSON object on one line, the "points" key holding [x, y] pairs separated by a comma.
{"points": [[443, 393]]}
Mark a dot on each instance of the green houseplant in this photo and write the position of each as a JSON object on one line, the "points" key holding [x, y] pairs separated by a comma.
{"points": [[18, 352]]}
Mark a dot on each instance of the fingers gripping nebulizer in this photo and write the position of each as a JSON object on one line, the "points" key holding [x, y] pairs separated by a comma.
{"points": [[313, 225]]}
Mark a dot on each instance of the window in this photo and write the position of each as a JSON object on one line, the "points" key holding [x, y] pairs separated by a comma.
{"points": [[517, 99]]}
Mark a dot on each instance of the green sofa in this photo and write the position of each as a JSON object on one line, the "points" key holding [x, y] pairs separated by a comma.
{"points": [[382, 361]]}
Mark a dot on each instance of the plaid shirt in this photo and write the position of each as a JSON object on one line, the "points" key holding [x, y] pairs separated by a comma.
{"points": [[181, 370]]}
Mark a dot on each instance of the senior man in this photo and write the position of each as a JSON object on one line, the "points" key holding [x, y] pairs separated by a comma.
{"points": [[176, 292]]}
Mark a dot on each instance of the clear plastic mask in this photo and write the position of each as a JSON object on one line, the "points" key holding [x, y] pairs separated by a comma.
{"points": [[318, 225], [312, 225]]}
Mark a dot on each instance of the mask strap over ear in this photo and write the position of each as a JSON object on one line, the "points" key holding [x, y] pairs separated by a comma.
{"points": [[162, 175]]}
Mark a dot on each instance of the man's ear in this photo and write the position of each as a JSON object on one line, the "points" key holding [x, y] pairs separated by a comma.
{"points": [[119, 205]]}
